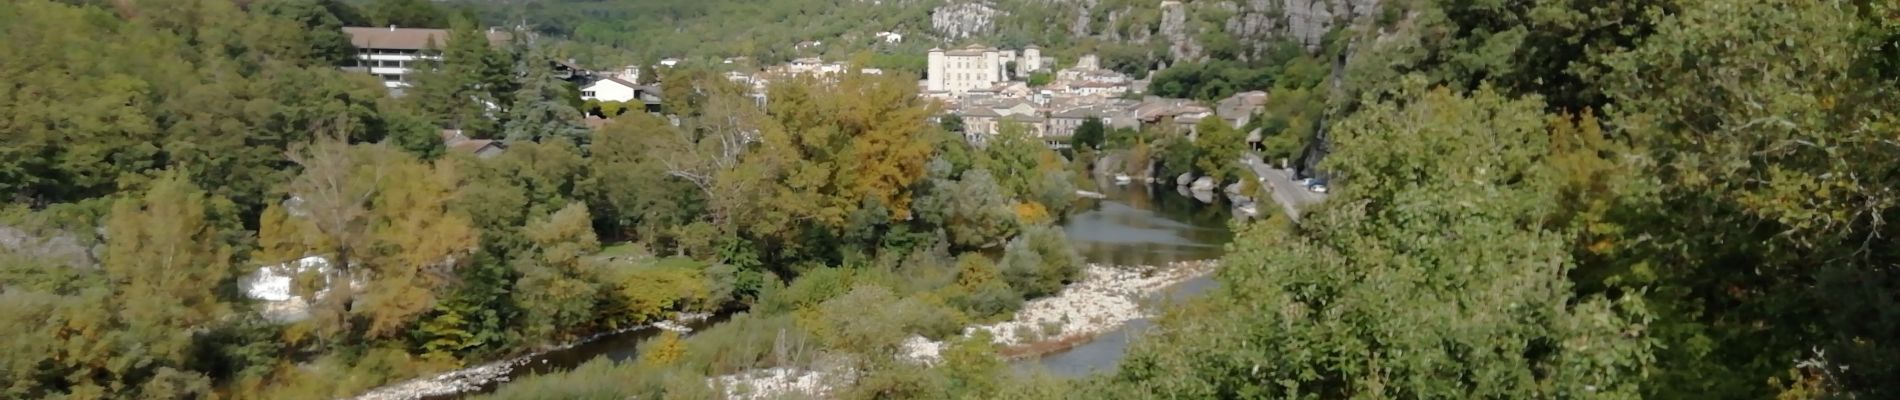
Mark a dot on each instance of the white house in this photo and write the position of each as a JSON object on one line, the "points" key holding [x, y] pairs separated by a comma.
{"points": [[890, 37], [611, 89], [620, 90], [391, 53]]}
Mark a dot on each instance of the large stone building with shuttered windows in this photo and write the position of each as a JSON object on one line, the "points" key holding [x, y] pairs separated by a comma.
{"points": [[978, 67]]}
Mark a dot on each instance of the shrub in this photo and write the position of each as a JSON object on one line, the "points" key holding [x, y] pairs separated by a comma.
{"points": [[988, 300], [892, 379], [663, 350], [1040, 261], [815, 286], [747, 341], [868, 320], [972, 366], [1031, 213], [646, 294], [981, 292]]}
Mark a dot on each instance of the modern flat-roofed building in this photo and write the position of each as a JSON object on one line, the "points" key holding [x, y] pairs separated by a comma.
{"points": [[391, 53]]}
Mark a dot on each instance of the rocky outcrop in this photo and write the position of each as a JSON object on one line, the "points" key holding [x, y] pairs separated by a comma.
{"points": [[1256, 23], [962, 20], [1204, 185], [1174, 29], [1309, 20], [1080, 27], [58, 249]]}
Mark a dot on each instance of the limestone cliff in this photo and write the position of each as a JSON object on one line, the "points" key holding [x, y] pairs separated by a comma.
{"points": [[1177, 27]]}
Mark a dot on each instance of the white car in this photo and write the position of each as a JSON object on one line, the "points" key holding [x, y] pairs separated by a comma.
{"points": [[1316, 185]]}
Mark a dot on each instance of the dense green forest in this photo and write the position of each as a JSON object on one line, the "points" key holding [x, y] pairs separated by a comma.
{"points": [[1537, 199], [160, 150], [1548, 199]]}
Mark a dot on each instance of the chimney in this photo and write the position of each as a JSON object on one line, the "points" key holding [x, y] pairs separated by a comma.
{"points": [[392, 27]]}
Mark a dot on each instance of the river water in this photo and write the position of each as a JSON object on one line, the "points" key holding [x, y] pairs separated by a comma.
{"points": [[1138, 225], [1134, 225]]}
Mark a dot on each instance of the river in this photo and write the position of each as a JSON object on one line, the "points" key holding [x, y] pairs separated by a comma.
{"points": [[1137, 225], [1132, 225]]}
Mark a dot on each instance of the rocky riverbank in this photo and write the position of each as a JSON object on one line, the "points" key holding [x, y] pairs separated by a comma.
{"points": [[781, 383], [452, 382], [473, 378], [1106, 298]]}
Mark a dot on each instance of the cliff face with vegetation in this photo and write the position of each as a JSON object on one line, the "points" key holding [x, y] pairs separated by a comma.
{"points": [[1177, 31], [1132, 35]]}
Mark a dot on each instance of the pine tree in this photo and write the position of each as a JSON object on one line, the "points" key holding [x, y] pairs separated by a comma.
{"points": [[541, 108], [464, 90]]}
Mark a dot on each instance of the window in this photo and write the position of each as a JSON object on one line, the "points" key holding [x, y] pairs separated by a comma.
{"points": [[587, 93]]}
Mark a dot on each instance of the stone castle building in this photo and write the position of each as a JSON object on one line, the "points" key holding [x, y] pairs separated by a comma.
{"points": [[978, 67]]}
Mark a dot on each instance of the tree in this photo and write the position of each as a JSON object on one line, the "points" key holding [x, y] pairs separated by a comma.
{"points": [[419, 241], [409, 13], [1762, 138], [1433, 264], [111, 330], [321, 30], [1040, 78], [557, 292], [469, 88], [1220, 148], [1178, 155], [978, 211], [336, 203], [382, 220], [165, 246], [628, 183], [1039, 262], [706, 151], [540, 109], [950, 123], [1089, 135], [889, 147], [1014, 155]]}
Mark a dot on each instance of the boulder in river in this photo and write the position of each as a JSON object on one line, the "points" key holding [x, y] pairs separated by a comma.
{"points": [[1234, 195], [1184, 179], [1203, 185]]}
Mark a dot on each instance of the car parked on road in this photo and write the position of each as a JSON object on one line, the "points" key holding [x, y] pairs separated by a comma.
{"points": [[1316, 185]]}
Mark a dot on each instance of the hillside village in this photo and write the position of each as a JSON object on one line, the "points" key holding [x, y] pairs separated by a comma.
{"points": [[986, 87]]}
